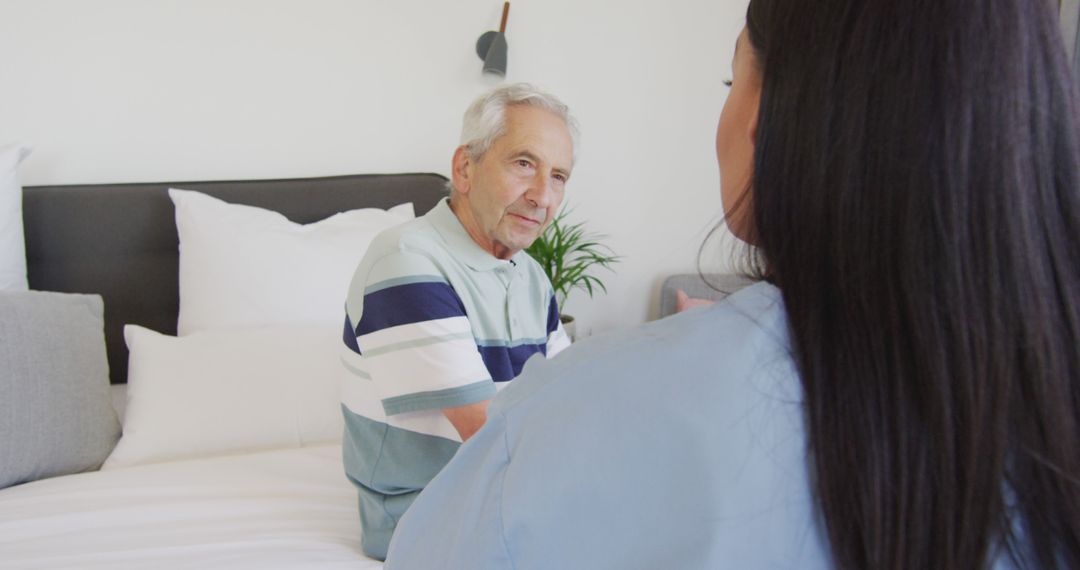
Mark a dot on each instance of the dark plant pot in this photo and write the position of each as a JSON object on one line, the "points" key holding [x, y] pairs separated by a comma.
{"points": [[569, 326]]}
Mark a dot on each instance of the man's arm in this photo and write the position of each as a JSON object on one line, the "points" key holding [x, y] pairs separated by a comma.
{"points": [[416, 344], [467, 419]]}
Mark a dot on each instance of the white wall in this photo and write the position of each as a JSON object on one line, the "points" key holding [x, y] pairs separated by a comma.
{"points": [[152, 90]]}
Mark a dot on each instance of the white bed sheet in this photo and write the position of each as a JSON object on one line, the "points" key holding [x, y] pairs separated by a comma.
{"points": [[290, 508]]}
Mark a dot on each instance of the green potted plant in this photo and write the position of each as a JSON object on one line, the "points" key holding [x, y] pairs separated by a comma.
{"points": [[568, 254]]}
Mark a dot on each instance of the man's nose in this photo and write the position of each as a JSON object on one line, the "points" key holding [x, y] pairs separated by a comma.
{"points": [[540, 192]]}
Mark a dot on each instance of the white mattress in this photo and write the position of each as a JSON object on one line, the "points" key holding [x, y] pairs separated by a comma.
{"points": [[290, 508]]}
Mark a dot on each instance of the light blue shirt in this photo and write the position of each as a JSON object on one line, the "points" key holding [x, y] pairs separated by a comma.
{"points": [[679, 444]]}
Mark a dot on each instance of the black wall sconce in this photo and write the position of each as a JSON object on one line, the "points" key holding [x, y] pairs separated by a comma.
{"points": [[491, 47]]}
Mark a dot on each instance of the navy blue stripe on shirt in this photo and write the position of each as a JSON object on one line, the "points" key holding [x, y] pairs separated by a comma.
{"points": [[407, 304], [505, 362], [350, 335], [553, 316]]}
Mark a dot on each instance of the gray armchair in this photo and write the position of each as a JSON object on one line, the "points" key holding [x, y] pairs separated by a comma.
{"points": [[715, 286]]}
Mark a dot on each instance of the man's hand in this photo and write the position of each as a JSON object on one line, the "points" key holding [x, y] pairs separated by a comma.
{"points": [[467, 419]]}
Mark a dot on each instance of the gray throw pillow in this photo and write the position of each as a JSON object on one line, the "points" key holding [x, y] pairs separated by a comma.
{"points": [[56, 416]]}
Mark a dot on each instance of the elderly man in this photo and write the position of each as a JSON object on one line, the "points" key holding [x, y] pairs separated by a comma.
{"points": [[443, 311]]}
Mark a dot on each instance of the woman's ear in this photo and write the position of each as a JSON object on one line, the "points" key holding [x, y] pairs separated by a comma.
{"points": [[461, 169]]}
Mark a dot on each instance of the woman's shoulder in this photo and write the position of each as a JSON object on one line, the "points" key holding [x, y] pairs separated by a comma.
{"points": [[695, 418]]}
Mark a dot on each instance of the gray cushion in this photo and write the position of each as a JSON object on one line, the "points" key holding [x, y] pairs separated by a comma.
{"points": [[56, 416], [714, 286]]}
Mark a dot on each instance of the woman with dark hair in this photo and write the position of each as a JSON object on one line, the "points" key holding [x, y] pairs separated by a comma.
{"points": [[923, 223], [902, 389]]}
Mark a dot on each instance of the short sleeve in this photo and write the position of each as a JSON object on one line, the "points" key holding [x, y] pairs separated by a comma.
{"points": [[412, 337]]}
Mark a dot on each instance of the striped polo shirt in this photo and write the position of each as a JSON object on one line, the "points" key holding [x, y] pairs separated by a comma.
{"points": [[432, 321]]}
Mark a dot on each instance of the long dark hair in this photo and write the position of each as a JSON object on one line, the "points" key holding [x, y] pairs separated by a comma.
{"points": [[916, 198]]}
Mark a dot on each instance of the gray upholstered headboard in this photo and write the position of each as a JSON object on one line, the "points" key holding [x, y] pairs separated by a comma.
{"points": [[120, 241]]}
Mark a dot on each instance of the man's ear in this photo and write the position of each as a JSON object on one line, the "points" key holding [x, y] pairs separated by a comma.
{"points": [[461, 170]]}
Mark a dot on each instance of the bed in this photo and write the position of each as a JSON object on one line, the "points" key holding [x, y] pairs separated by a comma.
{"points": [[230, 454]]}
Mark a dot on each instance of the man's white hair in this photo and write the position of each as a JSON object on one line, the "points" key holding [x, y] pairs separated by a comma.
{"points": [[485, 119]]}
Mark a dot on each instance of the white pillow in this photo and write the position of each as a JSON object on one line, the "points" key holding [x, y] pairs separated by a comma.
{"points": [[12, 243], [243, 266], [229, 391]]}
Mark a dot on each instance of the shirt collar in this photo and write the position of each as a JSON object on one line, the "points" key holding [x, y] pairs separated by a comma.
{"points": [[461, 243]]}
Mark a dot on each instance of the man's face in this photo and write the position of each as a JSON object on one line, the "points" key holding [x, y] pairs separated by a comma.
{"points": [[514, 191]]}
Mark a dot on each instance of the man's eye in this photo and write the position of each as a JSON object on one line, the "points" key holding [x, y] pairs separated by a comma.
{"points": [[523, 163], [727, 83]]}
